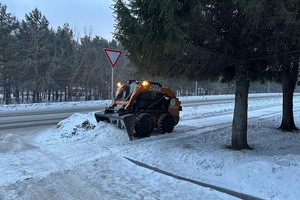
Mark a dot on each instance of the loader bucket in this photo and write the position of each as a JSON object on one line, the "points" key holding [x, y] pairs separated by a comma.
{"points": [[102, 118], [128, 121]]}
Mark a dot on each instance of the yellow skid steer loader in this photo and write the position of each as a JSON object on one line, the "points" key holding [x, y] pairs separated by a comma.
{"points": [[141, 106]]}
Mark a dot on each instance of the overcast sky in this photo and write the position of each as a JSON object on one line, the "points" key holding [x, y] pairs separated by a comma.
{"points": [[84, 16]]}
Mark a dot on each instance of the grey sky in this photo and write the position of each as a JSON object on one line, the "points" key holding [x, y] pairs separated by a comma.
{"points": [[84, 16]]}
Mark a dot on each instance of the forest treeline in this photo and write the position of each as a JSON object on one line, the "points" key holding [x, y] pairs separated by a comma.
{"points": [[38, 63]]}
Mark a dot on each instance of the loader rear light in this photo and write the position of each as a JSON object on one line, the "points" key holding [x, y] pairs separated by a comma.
{"points": [[145, 83]]}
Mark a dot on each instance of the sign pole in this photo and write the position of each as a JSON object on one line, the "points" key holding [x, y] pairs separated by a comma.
{"points": [[112, 83]]}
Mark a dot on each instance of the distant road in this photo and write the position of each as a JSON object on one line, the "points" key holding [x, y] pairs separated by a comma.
{"points": [[209, 101], [46, 117]]}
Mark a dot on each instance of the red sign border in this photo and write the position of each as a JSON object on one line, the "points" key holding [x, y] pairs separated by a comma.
{"points": [[112, 50]]}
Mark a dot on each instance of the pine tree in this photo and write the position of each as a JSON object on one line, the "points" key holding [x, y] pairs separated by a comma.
{"points": [[279, 22], [62, 67], [195, 39], [8, 24], [35, 47]]}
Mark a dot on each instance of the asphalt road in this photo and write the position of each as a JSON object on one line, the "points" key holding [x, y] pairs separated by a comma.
{"points": [[27, 119]]}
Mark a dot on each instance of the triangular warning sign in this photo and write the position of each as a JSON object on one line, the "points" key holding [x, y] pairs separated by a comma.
{"points": [[113, 56]]}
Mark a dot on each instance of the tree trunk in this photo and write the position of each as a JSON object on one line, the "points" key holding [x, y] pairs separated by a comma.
{"points": [[66, 94], [240, 117], [70, 93], [37, 96], [22, 95], [17, 95], [34, 96], [61, 96], [27, 96], [289, 79], [49, 95], [86, 94], [7, 95], [57, 96]]}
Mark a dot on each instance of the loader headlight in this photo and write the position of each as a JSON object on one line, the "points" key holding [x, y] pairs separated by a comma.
{"points": [[145, 83]]}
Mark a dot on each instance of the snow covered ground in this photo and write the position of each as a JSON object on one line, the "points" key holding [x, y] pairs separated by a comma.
{"points": [[80, 159]]}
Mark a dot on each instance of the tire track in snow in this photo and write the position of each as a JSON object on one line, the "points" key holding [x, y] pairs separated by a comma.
{"points": [[202, 184]]}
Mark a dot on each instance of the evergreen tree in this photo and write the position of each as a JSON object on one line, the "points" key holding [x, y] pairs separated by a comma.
{"points": [[35, 47], [62, 66], [279, 22], [200, 39], [8, 26]]}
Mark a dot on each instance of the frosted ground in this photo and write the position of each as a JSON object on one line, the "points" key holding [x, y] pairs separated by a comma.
{"points": [[80, 159]]}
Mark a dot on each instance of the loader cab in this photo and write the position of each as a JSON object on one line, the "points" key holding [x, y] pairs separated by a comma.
{"points": [[149, 100], [131, 87], [124, 91]]}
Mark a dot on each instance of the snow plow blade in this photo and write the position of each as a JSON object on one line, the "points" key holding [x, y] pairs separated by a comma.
{"points": [[127, 121]]}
